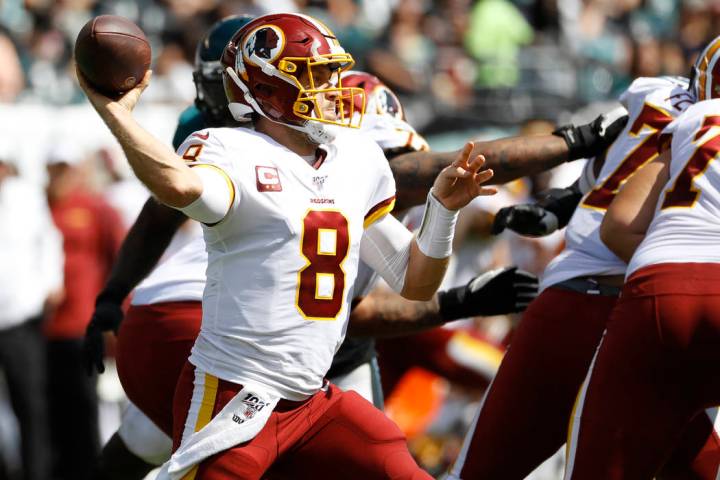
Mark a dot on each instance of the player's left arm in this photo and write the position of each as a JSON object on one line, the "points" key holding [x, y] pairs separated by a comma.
{"points": [[510, 158], [630, 213], [455, 187], [414, 267]]}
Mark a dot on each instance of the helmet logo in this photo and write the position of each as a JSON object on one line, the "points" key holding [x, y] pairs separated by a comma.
{"points": [[387, 103], [263, 44]]}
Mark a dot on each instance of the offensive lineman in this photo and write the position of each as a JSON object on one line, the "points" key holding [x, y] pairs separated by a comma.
{"points": [[656, 368], [524, 417]]}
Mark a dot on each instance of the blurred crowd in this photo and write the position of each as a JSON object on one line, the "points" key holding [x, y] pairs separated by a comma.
{"points": [[490, 66], [450, 57]]}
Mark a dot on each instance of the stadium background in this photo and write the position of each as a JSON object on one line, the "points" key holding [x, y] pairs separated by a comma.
{"points": [[462, 68]]}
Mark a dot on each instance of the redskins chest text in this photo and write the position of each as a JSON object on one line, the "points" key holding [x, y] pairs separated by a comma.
{"points": [[322, 201]]}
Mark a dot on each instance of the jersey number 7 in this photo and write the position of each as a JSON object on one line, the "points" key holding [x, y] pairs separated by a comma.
{"points": [[682, 193], [650, 117]]}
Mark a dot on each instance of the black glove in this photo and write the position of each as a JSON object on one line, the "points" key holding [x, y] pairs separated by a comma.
{"points": [[497, 292], [107, 316], [552, 211], [527, 219], [585, 141]]}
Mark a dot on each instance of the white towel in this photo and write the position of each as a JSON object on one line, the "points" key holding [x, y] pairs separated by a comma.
{"points": [[239, 421]]}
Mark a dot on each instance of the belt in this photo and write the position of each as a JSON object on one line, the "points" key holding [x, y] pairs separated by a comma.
{"points": [[589, 286], [285, 405]]}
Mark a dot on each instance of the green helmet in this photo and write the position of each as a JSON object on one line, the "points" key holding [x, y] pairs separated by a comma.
{"points": [[210, 97]]}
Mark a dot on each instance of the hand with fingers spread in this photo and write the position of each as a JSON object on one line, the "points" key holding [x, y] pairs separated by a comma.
{"points": [[460, 182], [497, 292]]}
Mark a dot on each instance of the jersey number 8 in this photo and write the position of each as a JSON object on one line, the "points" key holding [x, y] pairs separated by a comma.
{"points": [[321, 282]]}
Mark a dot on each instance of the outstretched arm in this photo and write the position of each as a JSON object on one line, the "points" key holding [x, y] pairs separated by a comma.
{"points": [[509, 158], [415, 267], [384, 313]]}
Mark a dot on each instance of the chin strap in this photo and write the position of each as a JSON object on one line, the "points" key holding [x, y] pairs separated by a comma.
{"points": [[316, 132], [239, 107], [240, 112]]}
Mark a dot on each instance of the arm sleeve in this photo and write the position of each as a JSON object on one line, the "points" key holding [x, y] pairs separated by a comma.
{"points": [[385, 247], [206, 155]]}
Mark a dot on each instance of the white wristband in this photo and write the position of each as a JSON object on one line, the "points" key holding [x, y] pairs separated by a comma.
{"points": [[437, 229]]}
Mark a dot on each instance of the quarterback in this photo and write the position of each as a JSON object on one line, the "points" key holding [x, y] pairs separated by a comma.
{"points": [[164, 319], [288, 211]]}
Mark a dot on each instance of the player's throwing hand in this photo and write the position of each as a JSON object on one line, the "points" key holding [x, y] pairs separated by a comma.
{"points": [[103, 103], [460, 182]]}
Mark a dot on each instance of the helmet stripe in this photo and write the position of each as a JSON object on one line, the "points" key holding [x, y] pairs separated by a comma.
{"points": [[712, 73], [324, 29], [706, 63]]}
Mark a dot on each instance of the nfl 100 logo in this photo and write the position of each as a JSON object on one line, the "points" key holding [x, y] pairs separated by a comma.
{"points": [[251, 405], [267, 179]]}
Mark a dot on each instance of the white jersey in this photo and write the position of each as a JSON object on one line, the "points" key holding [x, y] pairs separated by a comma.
{"points": [[686, 226], [652, 103], [180, 274], [390, 134], [282, 264]]}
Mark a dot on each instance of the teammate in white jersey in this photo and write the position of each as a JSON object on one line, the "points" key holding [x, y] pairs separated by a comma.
{"points": [[656, 368], [523, 418], [284, 236]]}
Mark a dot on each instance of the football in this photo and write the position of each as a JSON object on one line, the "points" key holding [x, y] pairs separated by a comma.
{"points": [[112, 53]]}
